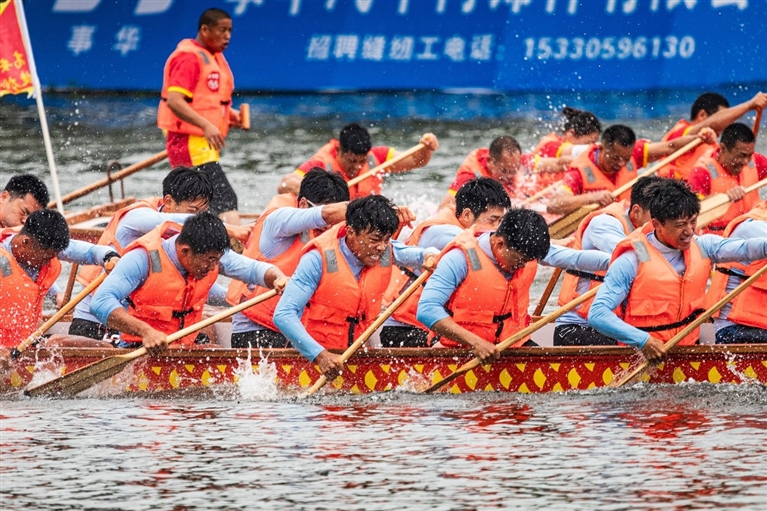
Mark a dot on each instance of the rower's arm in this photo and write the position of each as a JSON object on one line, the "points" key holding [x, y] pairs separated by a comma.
{"points": [[564, 203], [658, 150], [418, 159], [611, 294], [291, 183], [729, 250], [412, 257], [720, 120], [571, 259], [249, 270], [82, 252]]}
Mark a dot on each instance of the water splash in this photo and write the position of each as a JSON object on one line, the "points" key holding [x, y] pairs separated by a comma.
{"points": [[257, 383]]}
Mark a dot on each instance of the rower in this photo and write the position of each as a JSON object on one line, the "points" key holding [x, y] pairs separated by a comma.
{"points": [[658, 274], [23, 195], [744, 319], [730, 169], [710, 110], [480, 291], [480, 201], [282, 230], [185, 192], [353, 154], [165, 277], [601, 230], [606, 166], [338, 286], [29, 265]]}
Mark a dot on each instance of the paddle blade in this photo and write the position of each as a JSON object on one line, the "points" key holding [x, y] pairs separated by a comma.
{"points": [[83, 378]]}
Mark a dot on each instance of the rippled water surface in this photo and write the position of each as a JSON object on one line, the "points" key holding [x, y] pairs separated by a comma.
{"points": [[683, 447]]}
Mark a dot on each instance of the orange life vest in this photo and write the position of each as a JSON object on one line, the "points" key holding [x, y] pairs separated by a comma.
{"points": [[211, 98], [546, 140], [88, 274], [485, 303], [328, 155], [682, 166], [21, 298], [661, 301], [722, 181], [595, 180], [748, 308], [569, 290], [342, 306], [167, 301], [402, 277], [263, 312]]}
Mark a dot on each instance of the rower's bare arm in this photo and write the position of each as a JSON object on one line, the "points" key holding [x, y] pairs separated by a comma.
{"points": [[564, 204], [334, 213], [553, 165], [653, 350], [720, 120], [418, 159], [275, 279], [448, 201], [239, 232], [330, 364], [484, 350], [291, 183], [658, 150], [178, 105], [153, 340]]}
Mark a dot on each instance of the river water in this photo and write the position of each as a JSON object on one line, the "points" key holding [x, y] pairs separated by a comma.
{"points": [[690, 446]]}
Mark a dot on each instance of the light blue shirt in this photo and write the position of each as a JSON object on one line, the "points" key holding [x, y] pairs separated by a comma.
{"points": [[305, 281], [603, 233], [133, 270], [748, 229], [133, 225], [281, 228], [620, 277], [452, 270], [80, 252]]}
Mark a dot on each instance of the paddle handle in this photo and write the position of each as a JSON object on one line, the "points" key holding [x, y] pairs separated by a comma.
{"points": [[372, 328], [29, 341], [547, 292], [519, 336], [757, 122], [713, 207], [245, 116], [117, 176], [221, 315], [550, 188], [757, 185], [388, 163], [695, 324]]}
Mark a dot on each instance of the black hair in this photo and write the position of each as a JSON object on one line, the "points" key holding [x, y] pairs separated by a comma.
{"points": [[22, 184], [710, 102], [620, 134], [211, 17], [322, 187], [48, 228], [672, 199], [525, 231], [374, 213], [355, 139], [639, 195], [187, 184], [502, 145], [481, 194], [581, 122], [204, 233], [734, 133]]}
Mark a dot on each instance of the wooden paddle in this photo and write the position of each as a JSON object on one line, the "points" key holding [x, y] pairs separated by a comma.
{"points": [[351, 350], [713, 207], [516, 339], [388, 163], [117, 176], [245, 116], [547, 292], [87, 376], [757, 122], [548, 189], [695, 324], [29, 341], [567, 224]]}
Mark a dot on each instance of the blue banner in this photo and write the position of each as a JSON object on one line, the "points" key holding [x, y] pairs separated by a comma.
{"points": [[495, 45]]}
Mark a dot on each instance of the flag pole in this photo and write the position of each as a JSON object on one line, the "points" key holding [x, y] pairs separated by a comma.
{"points": [[38, 93]]}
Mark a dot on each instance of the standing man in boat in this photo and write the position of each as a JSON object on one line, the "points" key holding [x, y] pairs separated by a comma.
{"points": [[29, 265], [185, 192], [744, 319], [710, 110], [606, 166], [353, 154], [601, 230], [166, 276], [287, 224], [196, 107], [730, 169], [339, 283], [23, 195], [658, 274]]}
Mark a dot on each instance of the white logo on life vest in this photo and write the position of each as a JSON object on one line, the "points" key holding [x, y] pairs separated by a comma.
{"points": [[213, 80]]}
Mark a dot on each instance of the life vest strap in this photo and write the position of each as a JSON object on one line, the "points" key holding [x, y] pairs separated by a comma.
{"points": [[585, 275], [686, 321], [730, 272]]}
